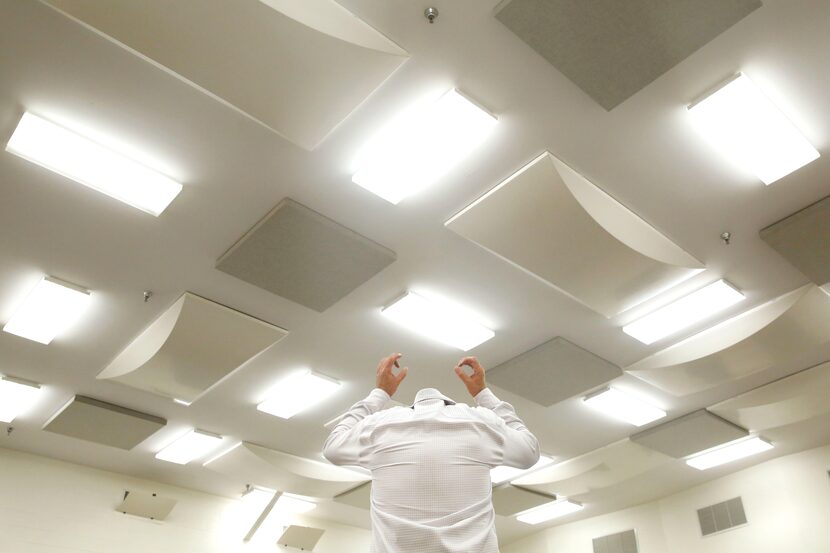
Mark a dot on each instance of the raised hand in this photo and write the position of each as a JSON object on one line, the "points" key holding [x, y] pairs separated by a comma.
{"points": [[387, 380], [474, 382]]}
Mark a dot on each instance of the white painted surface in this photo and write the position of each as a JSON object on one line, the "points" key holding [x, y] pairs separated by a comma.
{"points": [[787, 504], [50, 506]]}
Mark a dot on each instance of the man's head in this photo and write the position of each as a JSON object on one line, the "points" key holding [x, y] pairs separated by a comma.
{"points": [[431, 393]]}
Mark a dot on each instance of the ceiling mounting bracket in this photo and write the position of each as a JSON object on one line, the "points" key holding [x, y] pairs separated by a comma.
{"points": [[726, 237], [431, 14]]}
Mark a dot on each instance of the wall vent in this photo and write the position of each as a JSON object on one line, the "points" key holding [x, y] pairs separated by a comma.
{"points": [[719, 517], [624, 542]]}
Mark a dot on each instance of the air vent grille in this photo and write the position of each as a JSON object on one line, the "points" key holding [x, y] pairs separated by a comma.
{"points": [[719, 517], [624, 542]]}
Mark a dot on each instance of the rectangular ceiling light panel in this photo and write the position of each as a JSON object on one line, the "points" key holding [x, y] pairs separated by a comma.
{"points": [[438, 321], [92, 164], [191, 446], [298, 392], [502, 474], [549, 511], [624, 407], [751, 131], [728, 453], [684, 312], [49, 309], [16, 397], [421, 145]]}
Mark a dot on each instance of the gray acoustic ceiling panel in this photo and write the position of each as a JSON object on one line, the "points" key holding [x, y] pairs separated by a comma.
{"points": [[509, 500], [96, 421], [300, 537], [689, 434], [612, 49], [552, 372], [298, 254], [803, 239], [146, 504], [299, 68], [622, 542], [360, 497]]}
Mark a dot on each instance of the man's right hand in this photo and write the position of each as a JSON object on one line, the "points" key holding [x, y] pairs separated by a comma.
{"points": [[474, 382]]}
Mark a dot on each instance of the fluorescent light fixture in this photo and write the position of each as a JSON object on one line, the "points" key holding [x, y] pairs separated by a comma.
{"points": [[49, 309], [624, 407], [16, 396], [191, 446], [549, 511], [91, 164], [297, 393], [684, 312], [221, 454], [505, 474], [729, 452], [747, 127], [423, 144], [439, 321], [182, 402], [291, 504]]}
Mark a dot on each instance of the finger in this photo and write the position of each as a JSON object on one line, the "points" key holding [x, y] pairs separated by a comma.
{"points": [[402, 374], [461, 374]]}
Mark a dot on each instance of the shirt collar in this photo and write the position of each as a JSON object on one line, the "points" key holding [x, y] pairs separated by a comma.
{"points": [[430, 396]]}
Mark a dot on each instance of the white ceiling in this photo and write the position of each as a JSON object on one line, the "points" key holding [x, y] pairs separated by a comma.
{"points": [[643, 153]]}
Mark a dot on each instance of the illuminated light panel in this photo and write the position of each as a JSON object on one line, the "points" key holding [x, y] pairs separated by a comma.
{"points": [[422, 145], [294, 505], [727, 453], [750, 130], [16, 397], [182, 402], [684, 312], [441, 322], [298, 392], [549, 511], [91, 164], [502, 474], [191, 446], [625, 407], [49, 309]]}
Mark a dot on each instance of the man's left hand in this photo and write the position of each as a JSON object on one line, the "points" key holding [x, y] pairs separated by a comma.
{"points": [[386, 379]]}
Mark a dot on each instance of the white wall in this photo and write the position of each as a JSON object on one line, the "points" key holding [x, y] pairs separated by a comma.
{"points": [[787, 504], [49, 506]]}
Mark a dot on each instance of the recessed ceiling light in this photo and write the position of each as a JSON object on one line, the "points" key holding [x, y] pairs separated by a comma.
{"points": [[419, 147], [749, 129], [439, 321], [290, 504], [16, 396], [298, 392], [728, 452], [49, 309], [684, 312], [91, 164], [549, 511], [504, 474], [191, 446], [624, 407]]}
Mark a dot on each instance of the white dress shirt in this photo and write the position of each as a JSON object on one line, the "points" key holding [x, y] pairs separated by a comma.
{"points": [[430, 463]]}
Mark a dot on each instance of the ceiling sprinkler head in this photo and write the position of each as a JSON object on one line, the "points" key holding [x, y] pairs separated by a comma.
{"points": [[431, 14]]}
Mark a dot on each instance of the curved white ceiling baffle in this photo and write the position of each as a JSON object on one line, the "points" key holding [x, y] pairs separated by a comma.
{"points": [[776, 331], [193, 345], [552, 222], [595, 470], [297, 67], [284, 472], [800, 397]]}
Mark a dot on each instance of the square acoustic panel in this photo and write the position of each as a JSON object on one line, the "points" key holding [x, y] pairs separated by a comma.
{"points": [[690, 434], [552, 222], [297, 67], [803, 239], [96, 421], [298, 254], [553, 371], [302, 538], [612, 49]]}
